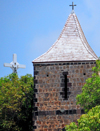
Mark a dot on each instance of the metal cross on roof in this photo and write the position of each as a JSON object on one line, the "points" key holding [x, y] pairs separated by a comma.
{"points": [[72, 5], [14, 65]]}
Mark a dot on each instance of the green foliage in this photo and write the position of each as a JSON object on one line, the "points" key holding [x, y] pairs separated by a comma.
{"points": [[16, 103], [71, 127], [89, 99], [90, 96], [87, 122]]}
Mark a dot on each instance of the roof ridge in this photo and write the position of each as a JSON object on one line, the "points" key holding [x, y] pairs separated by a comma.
{"points": [[70, 45], [64, 27], [89, 47], [86, 45], [54, 42]]}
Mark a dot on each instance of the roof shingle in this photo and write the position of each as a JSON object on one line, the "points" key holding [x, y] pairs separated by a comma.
{"points": [[70, 46]]}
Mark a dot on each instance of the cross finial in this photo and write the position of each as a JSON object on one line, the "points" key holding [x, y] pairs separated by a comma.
{"points": [[72, 5]]}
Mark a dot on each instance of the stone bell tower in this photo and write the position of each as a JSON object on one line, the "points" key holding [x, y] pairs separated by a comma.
{"points": [[59, 75]]}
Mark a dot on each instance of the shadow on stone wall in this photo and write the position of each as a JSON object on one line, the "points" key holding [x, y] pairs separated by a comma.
{"points": [[63, 129]]}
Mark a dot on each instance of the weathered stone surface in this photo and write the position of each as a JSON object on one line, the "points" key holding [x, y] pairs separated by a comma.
{"points": [[51, 110]]}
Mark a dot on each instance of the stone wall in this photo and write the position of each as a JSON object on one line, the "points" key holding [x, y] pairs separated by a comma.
{"points": [[52, 111]]}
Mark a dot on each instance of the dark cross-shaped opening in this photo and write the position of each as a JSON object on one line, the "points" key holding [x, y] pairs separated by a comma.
{"points": [[72, 5], [65, 86]]}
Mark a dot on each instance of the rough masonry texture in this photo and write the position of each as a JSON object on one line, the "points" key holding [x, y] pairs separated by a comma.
{"points": [[51, 111], [59, 75]]}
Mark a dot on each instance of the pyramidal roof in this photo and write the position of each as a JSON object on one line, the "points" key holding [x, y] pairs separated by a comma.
{"points": [[70, 46]]}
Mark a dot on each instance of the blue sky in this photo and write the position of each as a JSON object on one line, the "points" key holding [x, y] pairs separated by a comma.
{"points": [[30, 27]]}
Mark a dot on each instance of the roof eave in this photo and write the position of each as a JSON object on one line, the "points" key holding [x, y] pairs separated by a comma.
{"points": [[63, 61]]}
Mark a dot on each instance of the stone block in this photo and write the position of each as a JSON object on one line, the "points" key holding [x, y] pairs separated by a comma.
{"points": [[52, 110]]}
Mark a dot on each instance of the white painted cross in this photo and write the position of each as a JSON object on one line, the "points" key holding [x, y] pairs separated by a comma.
{"points": [[14, 65]]}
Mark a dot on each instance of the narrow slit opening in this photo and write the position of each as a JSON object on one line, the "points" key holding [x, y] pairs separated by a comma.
{"points": [[65, 86]]}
